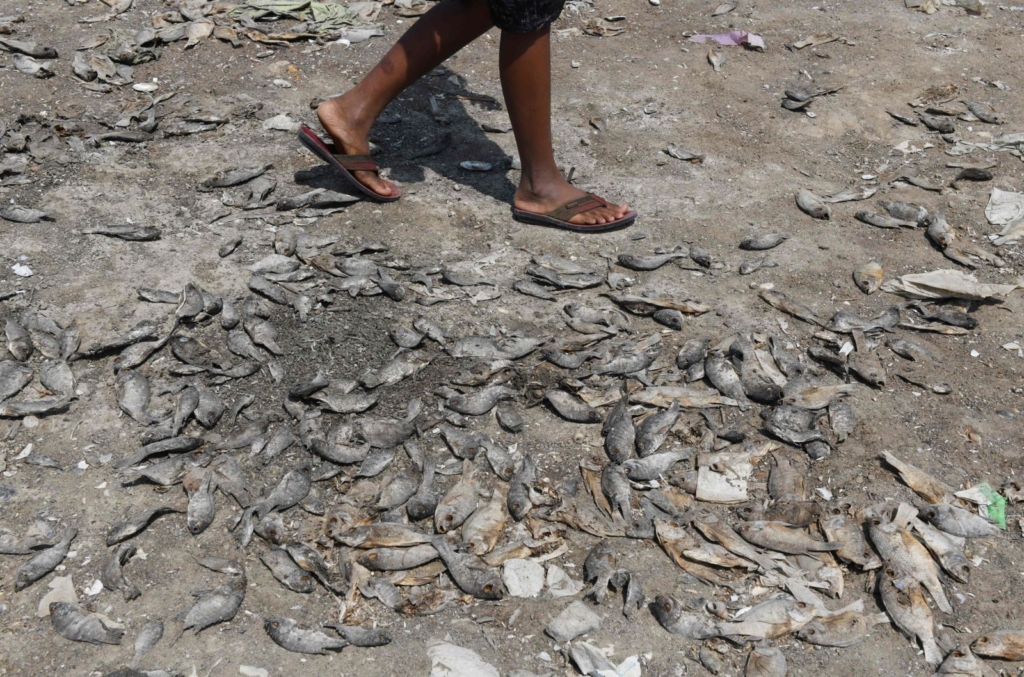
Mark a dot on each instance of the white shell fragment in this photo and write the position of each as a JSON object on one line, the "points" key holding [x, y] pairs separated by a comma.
{"points": [[476, 166]]}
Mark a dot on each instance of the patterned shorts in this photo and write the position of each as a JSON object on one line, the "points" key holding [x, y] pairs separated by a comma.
{"points": [[524, 16]]}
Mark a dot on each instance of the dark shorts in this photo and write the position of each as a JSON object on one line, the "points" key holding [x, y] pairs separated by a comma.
{"points": [[524, 16]]}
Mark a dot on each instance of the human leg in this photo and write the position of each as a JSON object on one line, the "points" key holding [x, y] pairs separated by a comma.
{"points": [[525, 65], [444, 30]]}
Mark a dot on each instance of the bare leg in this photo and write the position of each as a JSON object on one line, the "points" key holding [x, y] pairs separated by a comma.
{"points": [[444, 30], [525, 64]]}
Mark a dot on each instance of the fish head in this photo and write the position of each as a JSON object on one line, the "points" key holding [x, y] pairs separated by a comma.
{"points": [[666, 609]]}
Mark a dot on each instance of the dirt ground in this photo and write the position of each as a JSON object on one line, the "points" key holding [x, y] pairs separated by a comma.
{"points": [[614, 115]]}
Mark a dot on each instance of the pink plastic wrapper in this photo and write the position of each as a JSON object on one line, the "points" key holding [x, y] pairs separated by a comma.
{"points": [[733, 38]]}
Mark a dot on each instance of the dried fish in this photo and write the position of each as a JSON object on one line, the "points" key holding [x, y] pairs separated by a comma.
{"points": [[812, 205]]}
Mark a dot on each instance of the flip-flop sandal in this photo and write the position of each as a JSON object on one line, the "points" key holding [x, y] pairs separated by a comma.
{"points": [[345, 164], [559, 218]]}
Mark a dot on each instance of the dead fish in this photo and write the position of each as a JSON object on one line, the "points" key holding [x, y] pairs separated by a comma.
{"points": [[146, 640], [763, 241], [572, 408], [904, 601], [464, 444], [44, 561], [598, 570], [479, 402], [13, 377], [911, 351], [692, 352], [459, 501], [216, 606], [725, 379], [941, 124], [961, 662], [766, 661], [882, 221], [519, 503], [201, 510], [951, 557], [717, 59], [481, 530], [812, 205], [1005, 644], [234, 177], [27, 48], [401, 367], [229, 245], [615, 488], [644, 306], [263, 334], [619, 432], [628, 360], [269, 290], [785, 482], [779, 537], [670, 615], [649, 262], [129, 232], [486, 348], [135, 524], [868, 277], [908, 558], [357, 636], [287, 634], [926, 486], [792, 425], [940, 232], [819, 397], [482, 584], [906, 211], [782, 302], [112, 575], [397, 559], [959, 522], [654, 430], [375, 463], [700, 256], [973, 174], [842, 419], [985, 112], [72, 623], [654, 466], [845, 322], [499, 460], [18, 214], [566, 360], [509, 417], [905, 119], [945, 315], [19, 340], [838, 630], [839, 528], [528, 288]]}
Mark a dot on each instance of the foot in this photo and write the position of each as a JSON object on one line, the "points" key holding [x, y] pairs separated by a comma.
{"points": [[541, 197], [351, 136]]}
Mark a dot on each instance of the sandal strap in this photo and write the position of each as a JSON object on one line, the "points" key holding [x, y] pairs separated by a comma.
{"points": [[577, 206], [357, 163]]}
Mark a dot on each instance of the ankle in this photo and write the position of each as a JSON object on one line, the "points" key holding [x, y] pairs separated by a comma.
{"points": [[539, 181]]}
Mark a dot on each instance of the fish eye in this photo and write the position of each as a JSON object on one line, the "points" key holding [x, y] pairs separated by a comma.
{"points": [[488, 587], [372, 556], [958, 653], [666, 606], [516, 505], [876, 522], [982, 640], [239, 585], [305, 578], [275, 624], [810, 632], [448, 518]]}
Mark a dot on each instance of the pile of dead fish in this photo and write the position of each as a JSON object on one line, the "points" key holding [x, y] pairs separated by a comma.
{"points": [[389, 524]]}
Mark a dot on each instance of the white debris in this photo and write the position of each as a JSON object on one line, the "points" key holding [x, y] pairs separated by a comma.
{"points": [[522, 577], [575, 620], [281, 123], [22, 271], [252, 671], [94, 589], [824, 493], [715, 487], [561, 584], [24, 452], [62, 589], [448, 660]]}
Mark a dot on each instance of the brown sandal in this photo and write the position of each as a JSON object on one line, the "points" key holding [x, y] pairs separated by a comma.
{"points": [[345, 164], [559, 218]]}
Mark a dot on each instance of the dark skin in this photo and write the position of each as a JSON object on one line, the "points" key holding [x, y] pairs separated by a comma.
{"points": [[524, 62]]}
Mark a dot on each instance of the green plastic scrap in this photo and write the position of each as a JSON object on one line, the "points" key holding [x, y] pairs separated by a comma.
{"points": [[996, 504]]}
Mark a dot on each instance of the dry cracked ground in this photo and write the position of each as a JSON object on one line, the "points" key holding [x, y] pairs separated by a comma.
{"points": [[619, 102]]}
